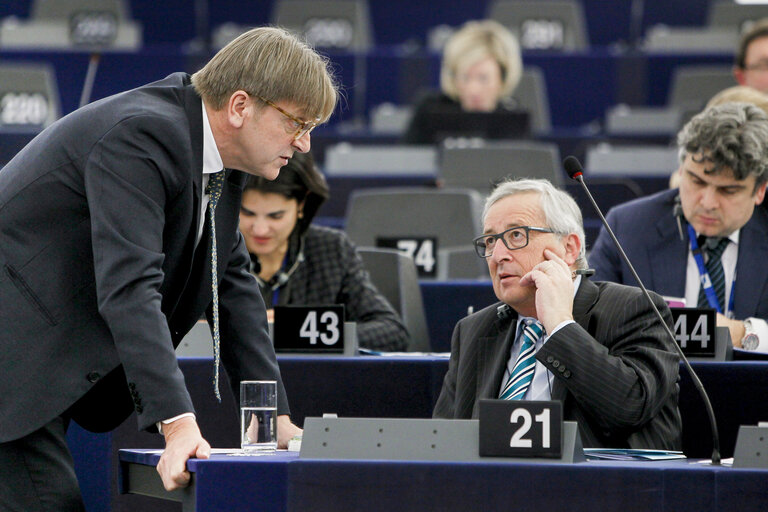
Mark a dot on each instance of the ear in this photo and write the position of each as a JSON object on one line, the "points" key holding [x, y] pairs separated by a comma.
{"points": [[572, 246], [738, 74], [239, 107], [760, 194]]}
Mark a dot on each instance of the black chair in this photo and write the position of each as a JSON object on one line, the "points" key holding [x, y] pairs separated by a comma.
{"points": [[394, 275]]}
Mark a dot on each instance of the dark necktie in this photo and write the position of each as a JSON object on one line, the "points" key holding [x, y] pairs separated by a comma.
{"points": [[714, 248], [215, 185], [522, 374]]}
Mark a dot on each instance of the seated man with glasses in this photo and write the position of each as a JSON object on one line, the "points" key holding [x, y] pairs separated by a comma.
{"points": [[555, 335]]}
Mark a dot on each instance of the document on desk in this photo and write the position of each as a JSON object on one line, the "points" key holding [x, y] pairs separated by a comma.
{"points": [[369, 352], [629, 454]]}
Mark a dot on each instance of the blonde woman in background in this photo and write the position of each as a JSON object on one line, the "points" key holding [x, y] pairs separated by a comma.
{"points": [[480, 70]]}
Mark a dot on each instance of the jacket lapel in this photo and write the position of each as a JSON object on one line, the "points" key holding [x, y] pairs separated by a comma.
{"points": [[668, 257], [751, 275], [492, 356]]}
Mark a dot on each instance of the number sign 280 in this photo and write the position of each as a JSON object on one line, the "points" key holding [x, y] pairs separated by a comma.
{"points": [[423, 250], [309, 328], [511, 428]]}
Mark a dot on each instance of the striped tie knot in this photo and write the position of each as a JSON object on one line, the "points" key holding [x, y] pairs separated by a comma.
{"points": [[521, 376]]}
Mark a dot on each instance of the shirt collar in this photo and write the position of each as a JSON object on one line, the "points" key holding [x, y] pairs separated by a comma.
{"points": [[211, 158]]}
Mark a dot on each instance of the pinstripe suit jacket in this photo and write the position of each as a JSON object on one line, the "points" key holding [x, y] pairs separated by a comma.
{"points": [[615, 370]]}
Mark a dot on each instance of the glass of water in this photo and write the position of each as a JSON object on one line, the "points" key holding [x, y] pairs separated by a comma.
{"points": [[258, 416]]}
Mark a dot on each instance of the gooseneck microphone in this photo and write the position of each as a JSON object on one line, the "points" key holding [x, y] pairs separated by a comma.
{"points": [[576, 172]]}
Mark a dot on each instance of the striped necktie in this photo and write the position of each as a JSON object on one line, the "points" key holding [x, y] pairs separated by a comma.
{"points": [[714, 248], [215, 185], [522, 373]]}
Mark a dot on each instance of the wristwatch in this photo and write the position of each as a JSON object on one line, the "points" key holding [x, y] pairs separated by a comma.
{"points": [[750, 341]]}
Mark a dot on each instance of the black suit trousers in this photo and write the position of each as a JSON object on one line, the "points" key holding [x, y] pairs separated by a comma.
{"points": [[37, 473]]}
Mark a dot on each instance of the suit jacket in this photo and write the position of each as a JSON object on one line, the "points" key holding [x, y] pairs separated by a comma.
{"points": [[333, 273], [615, 369], [101, 277], [648, 232]]}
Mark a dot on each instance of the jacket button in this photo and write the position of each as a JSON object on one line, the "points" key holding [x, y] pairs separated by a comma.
{"points": [[561, 369], [556, 364], [93, 377], [567, 373], [550, 359]]}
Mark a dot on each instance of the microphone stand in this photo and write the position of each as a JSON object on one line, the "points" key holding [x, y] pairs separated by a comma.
{"points": [[574, 170]]}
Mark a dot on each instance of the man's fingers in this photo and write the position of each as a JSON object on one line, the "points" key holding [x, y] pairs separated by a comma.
{"points": [[173, 476]]}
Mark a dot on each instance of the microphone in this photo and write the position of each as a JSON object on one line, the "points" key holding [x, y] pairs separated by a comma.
{"points": [[576, 172]]}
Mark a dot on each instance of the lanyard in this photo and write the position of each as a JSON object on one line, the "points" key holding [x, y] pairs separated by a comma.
{"points": [[706, 282]]}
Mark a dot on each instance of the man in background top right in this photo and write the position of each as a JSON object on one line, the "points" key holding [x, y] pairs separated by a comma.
{"points": [[707, 230], [751, 61]]}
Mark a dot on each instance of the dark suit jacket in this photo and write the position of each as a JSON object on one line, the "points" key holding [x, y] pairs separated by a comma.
{"points": [[333, 273], [615, 369], [100, 275], [648, 232]]}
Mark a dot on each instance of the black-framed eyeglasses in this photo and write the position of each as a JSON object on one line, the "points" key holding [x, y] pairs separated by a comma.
{"points": [[302, 127], [513, 238]]}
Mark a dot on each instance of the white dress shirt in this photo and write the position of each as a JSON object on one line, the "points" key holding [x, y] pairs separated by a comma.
{"points": [[541, 386]]}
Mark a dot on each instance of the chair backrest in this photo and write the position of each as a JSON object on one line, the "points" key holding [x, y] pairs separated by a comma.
{"points": [[339, 24], [734, 16], [693, 86], [390, 119], [58, 9], [543, 24], [481, 166], [348, 159], [29, 97], [625, 120], [663, 38], [417, 220], [92, 24], [394, 275], [531, 95], [622, 161]]}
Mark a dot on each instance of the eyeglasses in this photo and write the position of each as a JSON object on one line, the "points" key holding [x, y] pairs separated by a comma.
{"points": [[302, 127], [513, 239], [760, 66]]}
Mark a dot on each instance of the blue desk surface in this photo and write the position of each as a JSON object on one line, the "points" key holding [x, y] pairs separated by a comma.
{"points": [[396, 387], [286, 482]]}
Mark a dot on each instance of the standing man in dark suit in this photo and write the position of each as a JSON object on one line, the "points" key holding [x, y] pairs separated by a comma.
{"points": [[671, 236], [597, 347], [106, 251]]}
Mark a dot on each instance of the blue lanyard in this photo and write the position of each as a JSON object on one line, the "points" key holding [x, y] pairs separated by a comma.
{"points": [[706, 282]]}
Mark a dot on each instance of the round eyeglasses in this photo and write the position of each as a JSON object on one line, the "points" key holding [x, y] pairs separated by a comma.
{"points": [[302, 127]]}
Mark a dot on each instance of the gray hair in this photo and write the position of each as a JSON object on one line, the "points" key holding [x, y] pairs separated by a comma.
{"points": [[561, 213], [732, 136]]}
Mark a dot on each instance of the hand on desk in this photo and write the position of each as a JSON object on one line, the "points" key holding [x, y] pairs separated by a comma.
{"points": [[182, 441], [286, 430]]}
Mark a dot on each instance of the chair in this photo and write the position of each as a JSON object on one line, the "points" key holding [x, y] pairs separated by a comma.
{"points": [[531, 95], [625, 120], [693, 86], [348, 159], [543, 25], [29, 97], [409, 217], [662, 38], [337, 24], [92, 24], [390, 119], [394, 275], [623, 161], [482, 165], [734, 16]]}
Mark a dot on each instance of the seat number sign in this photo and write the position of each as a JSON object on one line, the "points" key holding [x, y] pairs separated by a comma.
{"points": [[423, 250], [695, 330], [516, 428], [309, 328]]}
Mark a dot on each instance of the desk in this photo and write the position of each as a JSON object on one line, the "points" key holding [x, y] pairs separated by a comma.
{"points": [[286, 482], [397, 387]]}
